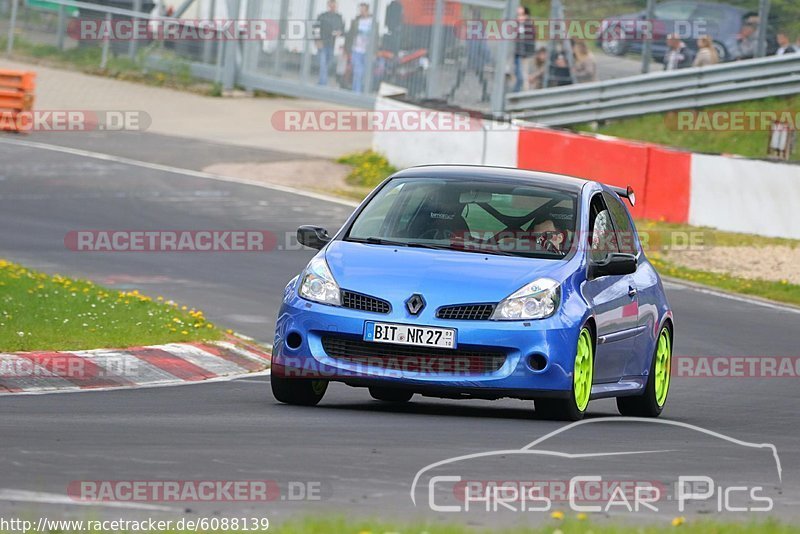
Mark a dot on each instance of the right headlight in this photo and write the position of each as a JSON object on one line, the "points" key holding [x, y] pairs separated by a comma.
{"points": [[537, 300], [318, 283]]}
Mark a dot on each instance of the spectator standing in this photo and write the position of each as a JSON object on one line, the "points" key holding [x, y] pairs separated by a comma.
{"points": [[559, 72], [747, 41], [678, 56], [358, 39], [331, 26], [706, 53], [524, 49], [393, 41], [585, 64], [784, 45], [539, 67]]}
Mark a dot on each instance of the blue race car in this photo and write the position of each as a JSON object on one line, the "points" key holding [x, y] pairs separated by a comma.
{"points": [[480, 282]]}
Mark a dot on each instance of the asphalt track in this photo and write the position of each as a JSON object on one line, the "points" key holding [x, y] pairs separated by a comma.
{"points": [[363, 453]]}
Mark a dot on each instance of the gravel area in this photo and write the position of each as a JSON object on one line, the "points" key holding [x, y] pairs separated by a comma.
{"points": [[771, 262], [314, 174]]}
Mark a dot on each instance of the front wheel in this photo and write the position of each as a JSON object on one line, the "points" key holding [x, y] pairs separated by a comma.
{"points": [[573, 408], [298, 391], [390, 394], [651, 403]]}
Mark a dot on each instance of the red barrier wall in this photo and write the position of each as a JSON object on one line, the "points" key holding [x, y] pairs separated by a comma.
{"points": [[660, 177], [668, 186]]}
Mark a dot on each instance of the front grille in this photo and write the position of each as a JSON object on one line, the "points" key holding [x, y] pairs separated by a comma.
{"points": [[357, 301], [466, 312], [415, 359]]}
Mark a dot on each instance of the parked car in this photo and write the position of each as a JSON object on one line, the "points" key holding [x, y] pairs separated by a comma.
{"points": [[480, 282], [722, 22]]}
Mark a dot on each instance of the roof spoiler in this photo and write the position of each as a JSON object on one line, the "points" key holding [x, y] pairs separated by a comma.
{"points": [[626, 192]]}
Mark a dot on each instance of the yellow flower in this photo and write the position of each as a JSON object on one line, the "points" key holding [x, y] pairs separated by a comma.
{"points": [[678, 521], [558, 514], [582, 516]]}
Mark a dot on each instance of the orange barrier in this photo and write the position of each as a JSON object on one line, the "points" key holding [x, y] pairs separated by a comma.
{"points": [[660, 177], [16, 96]]}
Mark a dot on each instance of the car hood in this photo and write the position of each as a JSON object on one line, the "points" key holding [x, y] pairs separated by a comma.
{"points": [[440, 276]]}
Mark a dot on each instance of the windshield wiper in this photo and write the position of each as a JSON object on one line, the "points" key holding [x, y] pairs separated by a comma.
{"points": [[389, 242], [413, 244]]}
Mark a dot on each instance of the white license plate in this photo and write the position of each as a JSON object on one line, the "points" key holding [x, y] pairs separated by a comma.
{"points": [[403, 334]]}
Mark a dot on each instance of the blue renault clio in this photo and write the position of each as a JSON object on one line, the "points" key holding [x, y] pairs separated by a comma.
{"points": [[480, 282]]}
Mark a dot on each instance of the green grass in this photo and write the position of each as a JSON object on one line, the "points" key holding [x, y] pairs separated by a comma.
{"points": [[43, 312], [369, 168], [87, 59], [656, 128]]}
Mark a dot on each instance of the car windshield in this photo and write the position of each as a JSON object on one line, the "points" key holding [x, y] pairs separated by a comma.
{"points": [[494, 217]]}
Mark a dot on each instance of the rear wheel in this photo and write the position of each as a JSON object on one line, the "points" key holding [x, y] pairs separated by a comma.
{"points": [[298, 391], [390, 394], [574, 407], [651, 403]]}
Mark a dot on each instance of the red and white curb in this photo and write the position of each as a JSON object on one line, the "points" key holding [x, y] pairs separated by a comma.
{"points": [[175, 363]]}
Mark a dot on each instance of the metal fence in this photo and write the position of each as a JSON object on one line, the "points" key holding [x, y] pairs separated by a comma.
{"points": [[422, 54], [659, 92]]}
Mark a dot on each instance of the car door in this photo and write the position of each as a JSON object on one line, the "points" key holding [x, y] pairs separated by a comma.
{"points": [[614, 299]]}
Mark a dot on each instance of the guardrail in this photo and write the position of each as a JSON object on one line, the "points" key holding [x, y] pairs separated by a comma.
{"points": [[658, 92]]}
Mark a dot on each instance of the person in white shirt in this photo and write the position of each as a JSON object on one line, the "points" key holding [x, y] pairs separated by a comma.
{"points": [[784, 45], [679, 56], [358, 41]]}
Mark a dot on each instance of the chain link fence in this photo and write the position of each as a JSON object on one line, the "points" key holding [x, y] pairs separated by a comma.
{"points": [[343, 52]]}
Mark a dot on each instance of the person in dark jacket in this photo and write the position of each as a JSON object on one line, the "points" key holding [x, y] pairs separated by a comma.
{"points": [[331, 26], [524, 49], [679, 56]]}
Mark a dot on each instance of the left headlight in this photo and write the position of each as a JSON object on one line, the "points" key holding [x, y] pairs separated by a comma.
{"points": [[318, 283], [537, 300]]}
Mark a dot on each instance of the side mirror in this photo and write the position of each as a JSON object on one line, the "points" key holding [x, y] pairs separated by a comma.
{"points": [[313, 236], [614, 264]]}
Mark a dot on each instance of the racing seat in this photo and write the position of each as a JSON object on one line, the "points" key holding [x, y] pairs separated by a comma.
{"points": [[439, 219]]}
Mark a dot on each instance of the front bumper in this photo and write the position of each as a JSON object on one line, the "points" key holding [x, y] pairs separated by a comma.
{"points": [[298, 352]]}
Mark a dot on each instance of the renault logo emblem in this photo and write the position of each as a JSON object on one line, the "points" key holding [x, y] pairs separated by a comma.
{"points": [[415, 304]]}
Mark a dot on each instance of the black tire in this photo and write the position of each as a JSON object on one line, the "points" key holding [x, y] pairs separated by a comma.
{"points": [[645, 405], [391, 394], [558, 409], [298, 391]]}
